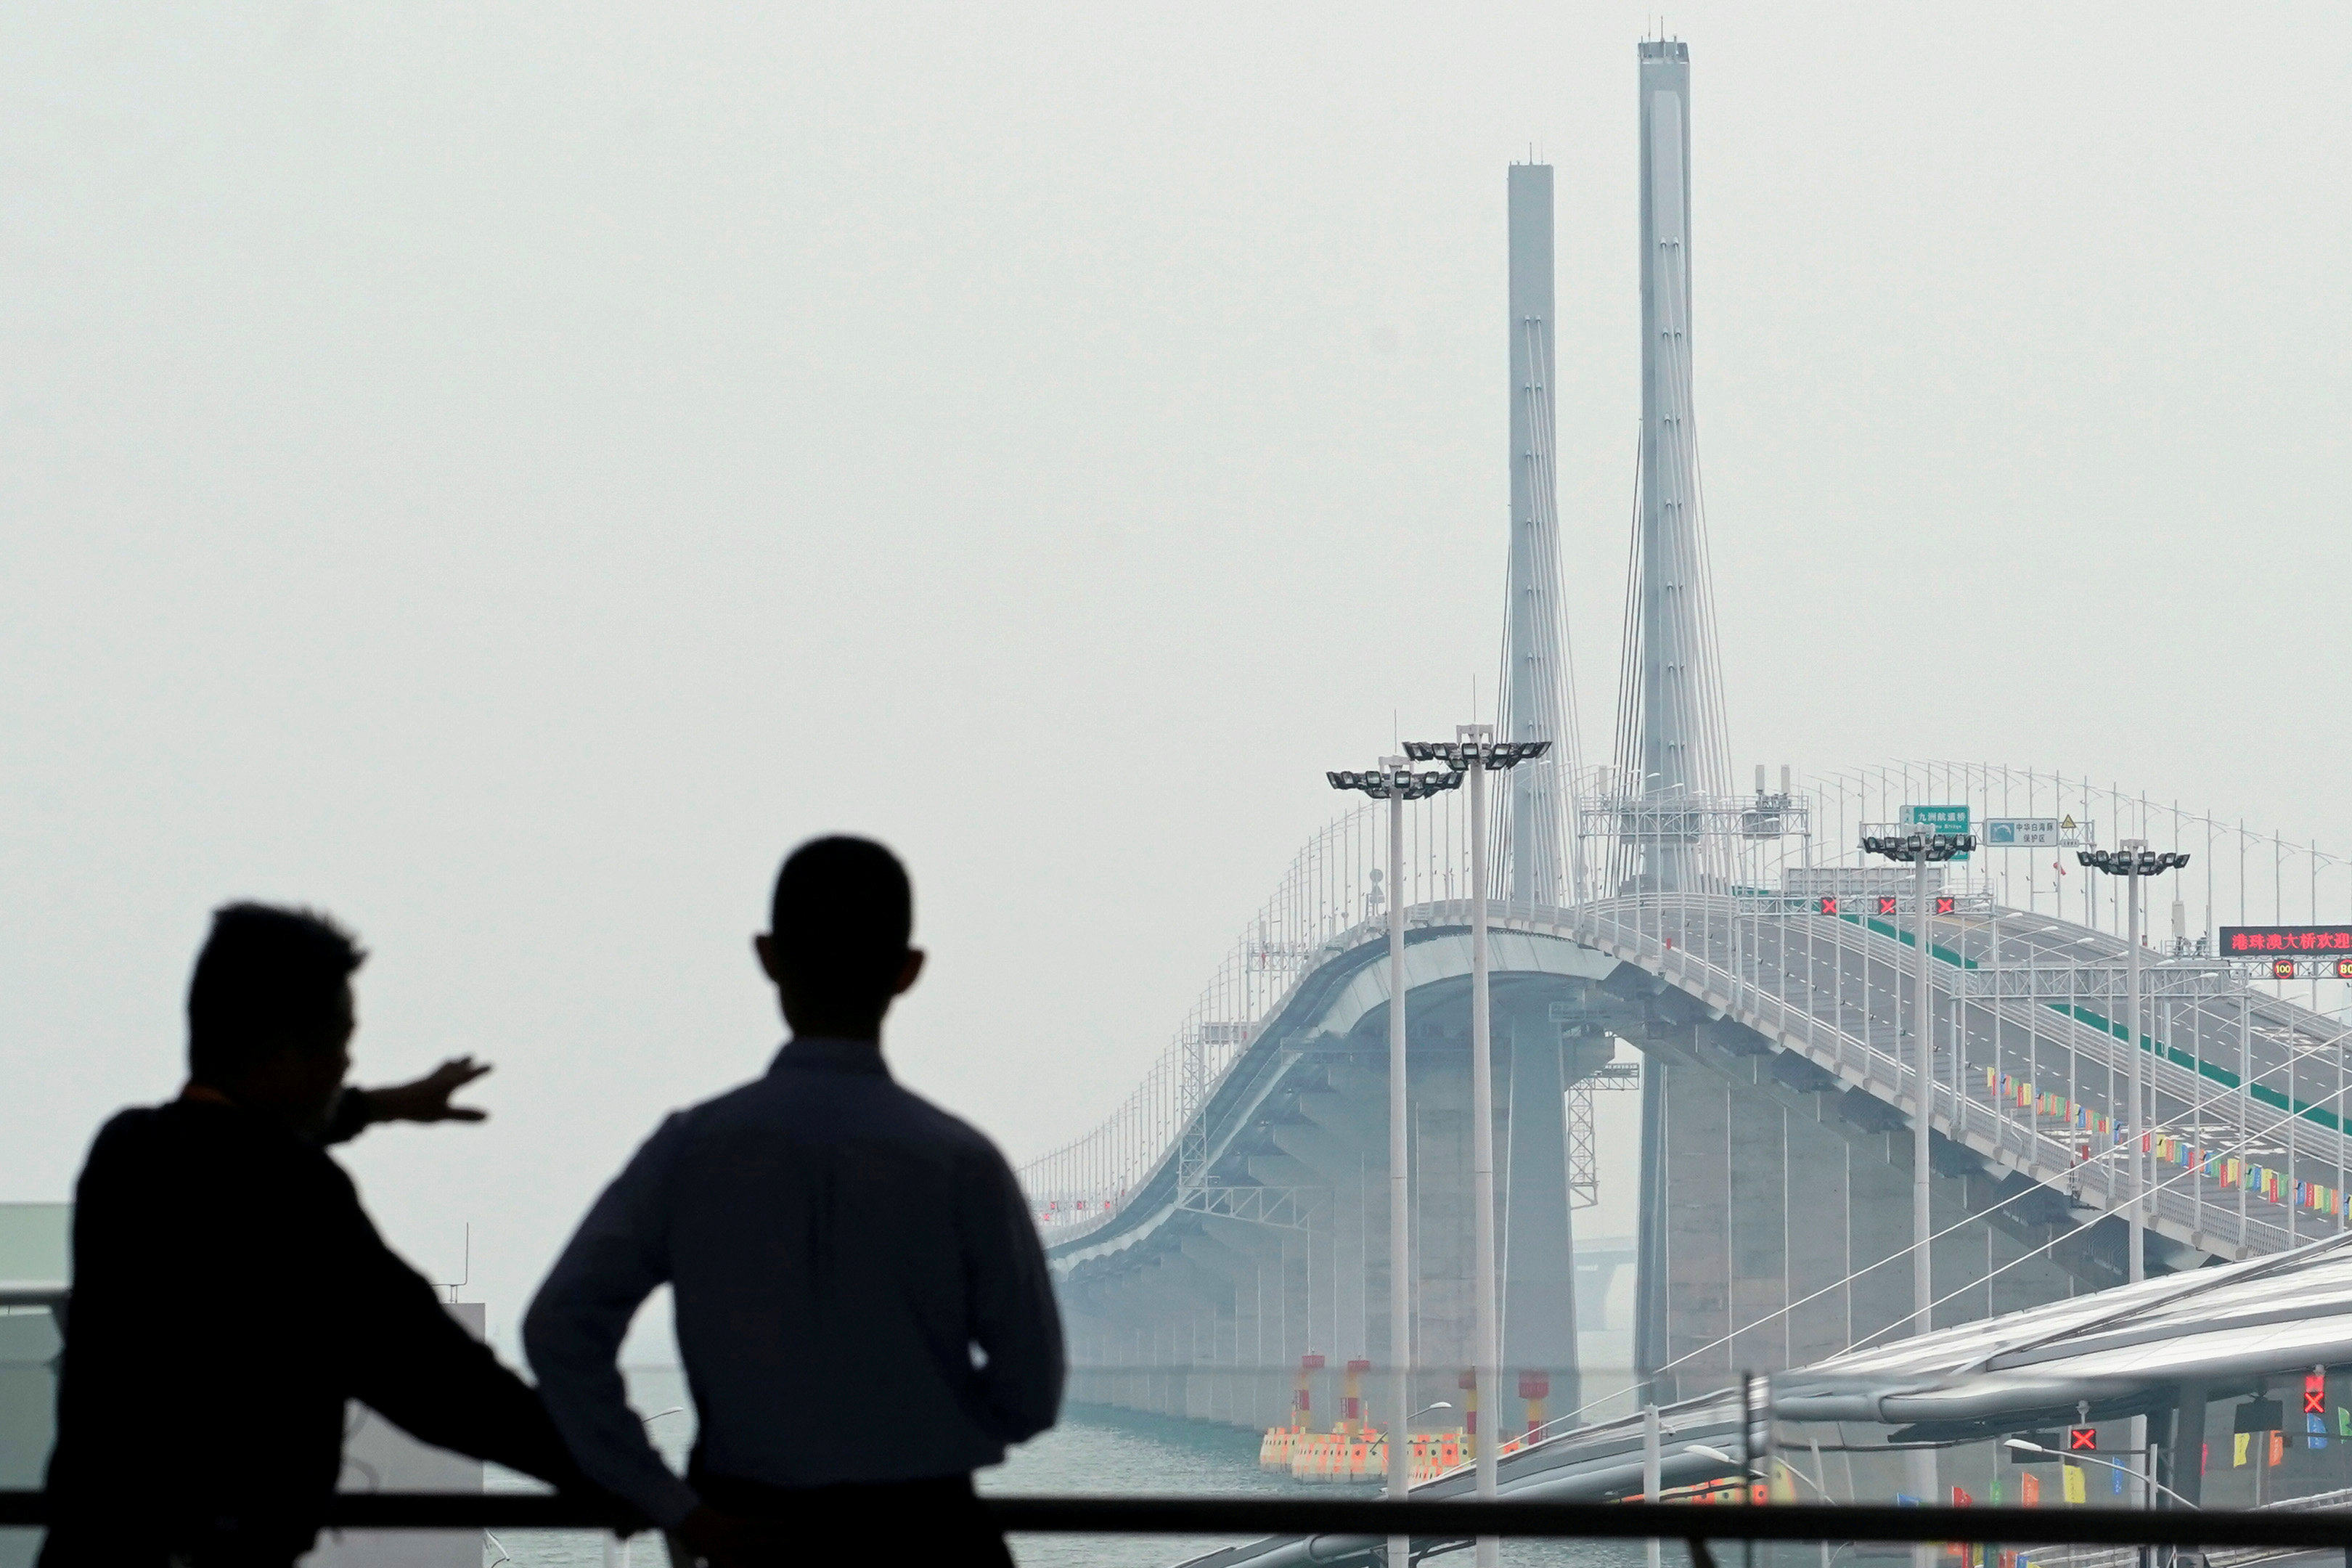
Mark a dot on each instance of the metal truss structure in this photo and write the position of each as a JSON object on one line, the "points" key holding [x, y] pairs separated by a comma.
{"points": [[1692, 819], [1583, 1151], [1283, 1208], [2058, 984]]}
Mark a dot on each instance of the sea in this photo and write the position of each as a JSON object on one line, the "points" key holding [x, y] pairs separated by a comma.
{"points": [[1092, 1449]]}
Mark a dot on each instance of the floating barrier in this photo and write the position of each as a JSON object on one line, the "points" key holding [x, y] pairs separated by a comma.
{"points": [[1274, 1450], [1279, 1449], [1430, 1454], [1342, 1458]]}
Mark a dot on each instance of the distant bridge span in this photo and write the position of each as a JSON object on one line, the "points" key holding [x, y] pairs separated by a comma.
{"points": [[1780, 1102], [1232, 1214]]}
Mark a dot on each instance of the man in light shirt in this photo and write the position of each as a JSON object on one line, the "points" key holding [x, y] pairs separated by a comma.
{"points": [[862, 1302]]}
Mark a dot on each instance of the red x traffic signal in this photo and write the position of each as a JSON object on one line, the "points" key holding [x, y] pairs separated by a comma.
{"points": [[1829, 907], [2082, 1439], [1944, 905], [1885, 905]]}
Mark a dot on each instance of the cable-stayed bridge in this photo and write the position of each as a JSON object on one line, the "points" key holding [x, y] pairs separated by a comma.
{"points": [[1232, 1216]]}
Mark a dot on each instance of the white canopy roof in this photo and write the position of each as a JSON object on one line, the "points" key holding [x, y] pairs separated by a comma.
{"points": [[2225, 1328]]}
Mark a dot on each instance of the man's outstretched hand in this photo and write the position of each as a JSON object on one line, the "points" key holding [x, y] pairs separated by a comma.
{"points": [[427, 1098]]}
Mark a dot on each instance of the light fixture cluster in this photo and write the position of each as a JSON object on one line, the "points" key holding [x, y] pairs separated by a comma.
{"points": [[1913, 847], [1461, 755], [1398, 786], [2131, 862]]}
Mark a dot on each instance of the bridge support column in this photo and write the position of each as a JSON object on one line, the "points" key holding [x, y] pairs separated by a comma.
{"points": [[1769, 1183], [1261, 1384], [1230, 1269], [1540, 1247], [1196, 1293], [2181, 1464]]}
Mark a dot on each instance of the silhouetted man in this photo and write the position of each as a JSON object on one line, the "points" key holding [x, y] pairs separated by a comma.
{"points": [[861, 1303], [229, 1294]]}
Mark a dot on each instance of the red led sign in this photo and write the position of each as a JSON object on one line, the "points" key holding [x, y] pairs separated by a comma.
{"points": [[1945, 906], [2315, 1393], [2082, 1439], [2282, 969], [1885, 904], [1829, 907], [2249, 941]]}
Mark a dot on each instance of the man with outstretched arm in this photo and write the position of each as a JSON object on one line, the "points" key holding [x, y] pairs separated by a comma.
{"points": [[862, 1302], [229, 1293]]}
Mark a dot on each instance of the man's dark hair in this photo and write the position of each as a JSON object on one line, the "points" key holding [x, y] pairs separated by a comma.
{"points": [[842, 913], [267, 977]]}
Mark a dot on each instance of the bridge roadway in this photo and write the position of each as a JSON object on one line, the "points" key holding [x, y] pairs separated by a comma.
{"points": [[1281, 1173], [2044, 1000]]}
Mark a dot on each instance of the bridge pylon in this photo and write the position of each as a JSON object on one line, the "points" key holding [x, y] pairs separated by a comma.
{"points": [[1672, 765]]}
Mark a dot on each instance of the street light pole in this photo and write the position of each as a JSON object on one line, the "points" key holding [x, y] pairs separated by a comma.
{"points": [[1919, 849], [2025, 1445], [1486, 1371], [2138, 1262], [2133, 860], [1400, 1449], [1922, 1278], [1396, 784], [1475, 751]]}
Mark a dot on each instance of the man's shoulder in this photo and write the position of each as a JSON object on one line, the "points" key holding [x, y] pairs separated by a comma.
{"points": [[201, 1139], [139, 1132], [785, 1099], [945, 1127]]}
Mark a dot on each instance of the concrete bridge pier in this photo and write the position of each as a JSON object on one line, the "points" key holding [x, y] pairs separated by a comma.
{"points": [[1260, 1388], [1331, 1147], [1539, 1250], [1782, 1214], [1228, 1267]]}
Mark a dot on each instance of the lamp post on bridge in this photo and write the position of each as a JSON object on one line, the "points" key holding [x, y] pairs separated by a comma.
{"points": [[2132, 859], [1396, 784], [1921, 849], [1474, 751]]}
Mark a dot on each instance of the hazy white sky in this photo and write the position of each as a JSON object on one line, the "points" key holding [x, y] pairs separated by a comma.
{"points": [[505, 476]]}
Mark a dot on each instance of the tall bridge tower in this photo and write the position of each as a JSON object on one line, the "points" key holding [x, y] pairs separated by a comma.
{"points": [[1539, 841], [1542, 867], [1671, 747]]}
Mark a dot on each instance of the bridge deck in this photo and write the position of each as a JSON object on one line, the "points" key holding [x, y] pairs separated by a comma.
{"points": [[2233, 1074]]}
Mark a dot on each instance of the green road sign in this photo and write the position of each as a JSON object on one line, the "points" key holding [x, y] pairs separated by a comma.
{"points": [[1938, 819]]}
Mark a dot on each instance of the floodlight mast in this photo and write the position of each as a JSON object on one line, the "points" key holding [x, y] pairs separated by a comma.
{"points": [[1396, 784], [2132, 859], [1474, 751], [1920, 849]]}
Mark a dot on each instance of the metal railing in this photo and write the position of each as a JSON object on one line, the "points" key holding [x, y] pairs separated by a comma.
{"points": [[1436, 1523], [1709, 945]]}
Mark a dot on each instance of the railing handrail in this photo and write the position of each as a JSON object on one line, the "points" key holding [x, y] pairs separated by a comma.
{"points": [[1440, 1518]]}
